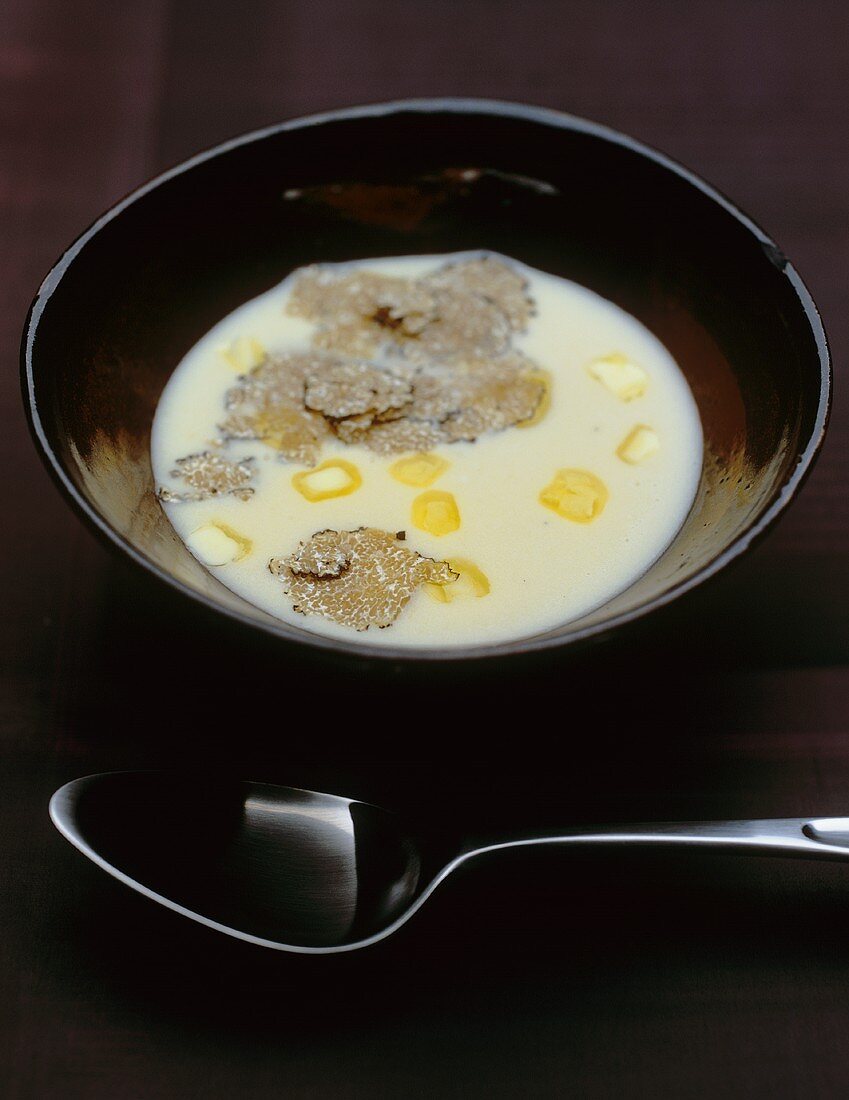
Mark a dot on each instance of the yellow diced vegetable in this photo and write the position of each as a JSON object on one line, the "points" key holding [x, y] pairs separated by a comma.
{"points": [[218, 544], [419, 470], [470, 584], [545, 402], [640, 443], [436, 512], [243, 354], [334, 478], [619, 375], [576, 495]]}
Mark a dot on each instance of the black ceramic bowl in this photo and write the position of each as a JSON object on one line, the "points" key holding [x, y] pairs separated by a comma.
{"points": [[130, 297]]}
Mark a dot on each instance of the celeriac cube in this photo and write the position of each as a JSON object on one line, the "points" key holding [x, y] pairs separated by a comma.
{"points": [[217, 544], [436, 512], [243, 354], [576, 495], [334, 478], [471, 583], [620, 376], [545, 401], [640, 443], [419, 470]]}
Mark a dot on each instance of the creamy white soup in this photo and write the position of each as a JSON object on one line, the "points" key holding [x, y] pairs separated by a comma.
{"points": [[427, 451]]}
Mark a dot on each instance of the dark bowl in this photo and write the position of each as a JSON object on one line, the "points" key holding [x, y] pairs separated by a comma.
{"points": [[148, 279]]}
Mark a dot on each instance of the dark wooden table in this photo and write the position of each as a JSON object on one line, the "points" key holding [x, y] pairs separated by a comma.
{"points": [[544, 976]]}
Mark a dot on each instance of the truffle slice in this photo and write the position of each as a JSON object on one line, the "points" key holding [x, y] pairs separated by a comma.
{"points": [[358, 578], [355, 388], [467, 308], [493, 401], [464, 325], [460, 401], [446, 389], [406, 364], [360, 309], [392, 437], [268, 404], [489, 278], [210, 475]]}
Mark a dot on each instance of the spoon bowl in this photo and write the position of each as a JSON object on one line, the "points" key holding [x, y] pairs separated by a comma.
{"points": [[315, 873], [274, 865]]}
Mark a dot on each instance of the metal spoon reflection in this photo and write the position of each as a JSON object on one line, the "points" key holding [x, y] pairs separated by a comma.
{"points": [[315, 873]]}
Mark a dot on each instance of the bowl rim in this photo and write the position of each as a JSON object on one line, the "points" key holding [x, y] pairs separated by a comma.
{"points": [[557, 120]]}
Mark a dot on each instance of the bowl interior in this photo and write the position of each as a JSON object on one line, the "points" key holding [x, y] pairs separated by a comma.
{"points": [[127, 302]]}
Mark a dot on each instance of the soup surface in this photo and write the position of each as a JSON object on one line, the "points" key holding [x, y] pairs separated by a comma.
{"points": [[427, 451]]}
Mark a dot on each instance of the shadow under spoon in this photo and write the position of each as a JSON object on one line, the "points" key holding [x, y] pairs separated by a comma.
{"points": [[316, 873]]}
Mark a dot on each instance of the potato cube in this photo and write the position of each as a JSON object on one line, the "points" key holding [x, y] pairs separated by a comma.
{"points": [[334, 478], [436, 512], [243, 354], [640, 443], [576, 495], [619, 375], [471, 583], [545, 401], [217, 544], [419, 470]]}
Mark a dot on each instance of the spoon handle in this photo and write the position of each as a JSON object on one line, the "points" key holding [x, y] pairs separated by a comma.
{"points": [[815, 838]]}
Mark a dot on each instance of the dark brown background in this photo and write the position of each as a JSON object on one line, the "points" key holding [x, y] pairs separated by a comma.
{"points": [[543, 976]]}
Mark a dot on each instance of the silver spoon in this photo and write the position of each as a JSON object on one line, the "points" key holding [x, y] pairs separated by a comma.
{"points": [[315, 873]]}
